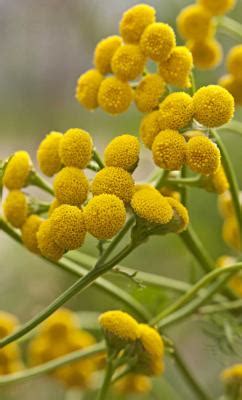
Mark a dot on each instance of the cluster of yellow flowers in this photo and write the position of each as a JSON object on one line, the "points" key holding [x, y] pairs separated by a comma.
{"points": [[233, 80], [10, 356], [197, 24]]}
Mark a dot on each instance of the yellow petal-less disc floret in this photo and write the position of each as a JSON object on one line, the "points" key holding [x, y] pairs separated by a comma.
{"points": [[122, 151], [119, 326], [151, 357], [202, 155], [231, 233], [104, 52], [149, 128], [134, 22], [17, 171], [169, 150], [234, 86], [181, 213], [157, 41], [148, 92], [217, 7], [71, 186], [133, 384], [114, 96], [207, 53], [128, 62], [87, 89], [234, 62], [104, 216], [46, 242], [68, 227], [29, 233], [76, 148], [177, 68], [216, 182], [48, 154], [113, 180], [213, 106], [8, 323], [176, 111], [232, 374], [15, 208], [60, 324], [194, 22], [151, 206]]}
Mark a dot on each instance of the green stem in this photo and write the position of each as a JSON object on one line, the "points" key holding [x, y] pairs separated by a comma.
{"points": [[37, 180], [186, 181], [162, 178], [5, 227], [230, 27], [233, 126], [107, 381], [226, 306], [183, 190], [96, 157]]}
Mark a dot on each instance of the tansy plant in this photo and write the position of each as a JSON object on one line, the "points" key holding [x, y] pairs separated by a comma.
{"points": [[180, 127]]}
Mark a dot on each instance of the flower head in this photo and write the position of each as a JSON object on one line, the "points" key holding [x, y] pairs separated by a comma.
{"points": [[169, 150], [114, 96], [122, 151], [177, 68], [181, 213], [76, 148], [232, 374], [234, 86], [148, 92], [216, 182], [202, 155], [46, 242], [133, 383], [225, 204], [15, 208], [8, 323], [149, 128], [29, 233], [17, 171], [234, 62], [151, 356], [207, 53], [59, 324], [195, 22], [104, 52], [128, 62], [71, 186], [157, 41], [87, 88], [48, 154], [217, 7], [176, 111], [231, 233]]}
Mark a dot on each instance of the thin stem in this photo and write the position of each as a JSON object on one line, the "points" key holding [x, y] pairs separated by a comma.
{"points": [[162, 178], [226, 306], [107, 380], [183, 190], [230, 27], [37, 180], [5, 227], [193, 84], [96, 157], [186, 181]]}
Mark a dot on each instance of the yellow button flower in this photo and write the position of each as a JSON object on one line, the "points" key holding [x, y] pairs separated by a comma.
{"points": [[87, 89], [207, 53], [176, 111], [216, 182], [8, 323], [71, 186], [202, 155], [128, 62], [48, 154], [177, 68], [114, 96], [148, 92], [133, 384], [59, 324], [231, 233], [76, 148], [122, 151], [157, 41], [195, 22], [234, 62], [232, 374], [17, 171], [234, 86], [225, 204], [29, 233], [170, 192], [180, 213], [169, 150], [104, 216], [134, 22], [15, 208], [213, 106], [151, 356], [149, 128], [46, 242], [104, 52], [113, 180], [217, 7]]}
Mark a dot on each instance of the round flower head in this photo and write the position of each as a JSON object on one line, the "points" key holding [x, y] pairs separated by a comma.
{"points": [[55, 203], [122, 151], [151, 206], [128, 62], [181, 214], [232, 374], [29, 233], [17, 171], [217, 7], [234, 62], [59, 324], [149, 128], [71, 186], [194, 22], [176, 111], [15, 208], [216, 182], [231, 233], [207, 53], [233, 86], [76, 148], [177, 68], [157, 41], [87, 88], [134, 22], [151, 355], [225, 204], [104, 216], [68, 227], [114, 96], [202, 155], [8, 323], [133, 383], [213, 106], [48, 154], [148, 92], [169, 192], [169, 150], [46, 242], [104, 52], [113, 180]]}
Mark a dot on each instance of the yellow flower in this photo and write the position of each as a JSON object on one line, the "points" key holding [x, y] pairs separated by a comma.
{"points": [[207, 53], [15, 208], [133, 383], [157, 41], [148, 92], [177, 68], [202, 155], [194, 22], [48, 154], [122, 151], [169, 192], [152, 206], [217, 7], [55, 203], [8, 323], [10, 359], [134, 22], [128, 62], [29, 233], [234, 86], [68, 227], [76, 148], [152, 351], [87, 88], [231, 233], [213, 106], [114, 96], [235, 283], [59, 325], [46, 242], [17, 171], [234, 62], [181, 214], [225, 204], [71, 186], [169, 149], [149, 128], [113, 180], [176, 111], [104, 52], [216, 182], [232, 374], [104, 216]]}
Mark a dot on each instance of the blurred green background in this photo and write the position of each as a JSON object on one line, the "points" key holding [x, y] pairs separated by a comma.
{"points": [[45, 45]]}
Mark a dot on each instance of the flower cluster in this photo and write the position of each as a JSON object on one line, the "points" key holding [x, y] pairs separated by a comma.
{"points": [[10, 356], [233, 80]]}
